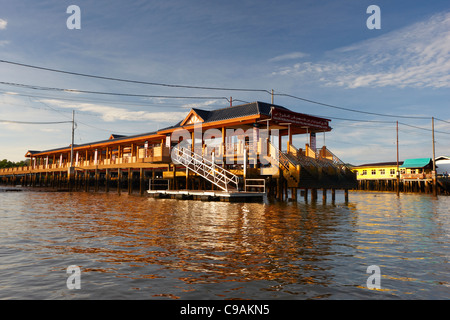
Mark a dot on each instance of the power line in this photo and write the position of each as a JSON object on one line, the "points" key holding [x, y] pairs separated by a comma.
{"points": [[441, 120], [348, 109], [425, 129], [182, 86], [34, 87], [198, 87], [133, 81], [356, 120], [92, 100], [34, 122]]}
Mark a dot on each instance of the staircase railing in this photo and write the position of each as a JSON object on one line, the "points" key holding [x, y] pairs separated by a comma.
{"points": [[335, 160], [215, 174], [301, 158], [278, 155]]}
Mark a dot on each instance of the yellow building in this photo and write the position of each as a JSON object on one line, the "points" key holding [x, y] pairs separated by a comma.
{"points": [[377, 171], [377, 176], [414, 175]]}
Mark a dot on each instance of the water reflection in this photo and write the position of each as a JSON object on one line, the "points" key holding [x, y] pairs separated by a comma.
{"points": [[310, 250]]}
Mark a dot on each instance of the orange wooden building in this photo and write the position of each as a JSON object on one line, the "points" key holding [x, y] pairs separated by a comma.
{"points": [[219, 149]]}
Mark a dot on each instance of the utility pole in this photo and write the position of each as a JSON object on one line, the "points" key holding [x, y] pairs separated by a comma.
{"points": [[71, 172], [434, 162], [71, 146], [398, 171]]}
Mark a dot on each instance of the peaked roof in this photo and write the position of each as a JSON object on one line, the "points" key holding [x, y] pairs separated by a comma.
{"points": [[417, 163], [243, 110], [240, 111], [380, 164], [195, 115], [115, 136]]}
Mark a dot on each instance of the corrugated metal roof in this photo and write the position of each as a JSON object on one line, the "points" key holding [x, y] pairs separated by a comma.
{"points": [[380, 164], [416, 163], [248, 109], [239, 111]]}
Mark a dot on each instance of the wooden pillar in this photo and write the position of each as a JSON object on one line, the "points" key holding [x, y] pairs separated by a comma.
{"points": [[141, 181], [305, 195], [223, 147], [77, 180], [286, 189], [107, 180], [153, 178], [324, 195], [294, 194], [346, 195], [280, 187], [96, 180], [175, 185], [119, 178], [169, 181], [333, 195], [130, 181], [314, 194], [86, 180]]}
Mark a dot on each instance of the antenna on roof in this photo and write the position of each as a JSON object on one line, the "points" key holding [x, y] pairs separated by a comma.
{"points": [[272, 96], [231, 101]]}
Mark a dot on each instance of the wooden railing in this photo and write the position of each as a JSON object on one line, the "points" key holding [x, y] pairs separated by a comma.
{"points": [[212, 172], [416, 176]]}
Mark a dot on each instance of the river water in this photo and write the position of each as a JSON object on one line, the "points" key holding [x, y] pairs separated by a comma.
{"points": [[133, 247]]}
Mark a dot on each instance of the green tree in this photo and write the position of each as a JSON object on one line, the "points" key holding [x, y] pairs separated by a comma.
{"points": [[5, 163]]}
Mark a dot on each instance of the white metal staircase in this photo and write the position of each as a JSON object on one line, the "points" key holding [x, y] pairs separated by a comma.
{"points": [[215, 174]]}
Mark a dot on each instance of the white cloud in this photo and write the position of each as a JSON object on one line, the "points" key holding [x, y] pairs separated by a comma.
{"points": [[310, 68], [416, 56], [110, 114], [3, 24], [289, 56], [201, 105]]}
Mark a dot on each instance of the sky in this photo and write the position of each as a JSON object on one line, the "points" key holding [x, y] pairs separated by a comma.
{"points": [[319, 57]]}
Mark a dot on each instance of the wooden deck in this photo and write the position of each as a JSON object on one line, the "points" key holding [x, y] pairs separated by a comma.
{"points": [[243, 149], [208, 195]]}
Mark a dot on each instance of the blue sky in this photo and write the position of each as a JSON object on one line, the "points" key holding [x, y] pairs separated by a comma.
{"points": [[317, 50]]}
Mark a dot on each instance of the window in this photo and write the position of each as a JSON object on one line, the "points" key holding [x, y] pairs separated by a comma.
{"points": [[392, 171], [364, 172], [382, 171], [374, 172], [413, 171]]}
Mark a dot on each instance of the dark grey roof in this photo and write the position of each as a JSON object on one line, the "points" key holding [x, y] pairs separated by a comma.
{"points": [[243, 110], [239, 111], [380, 164], [115, 136]]}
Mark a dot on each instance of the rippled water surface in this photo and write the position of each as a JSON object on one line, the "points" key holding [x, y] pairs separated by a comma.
{"points": [[132, 247]]}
